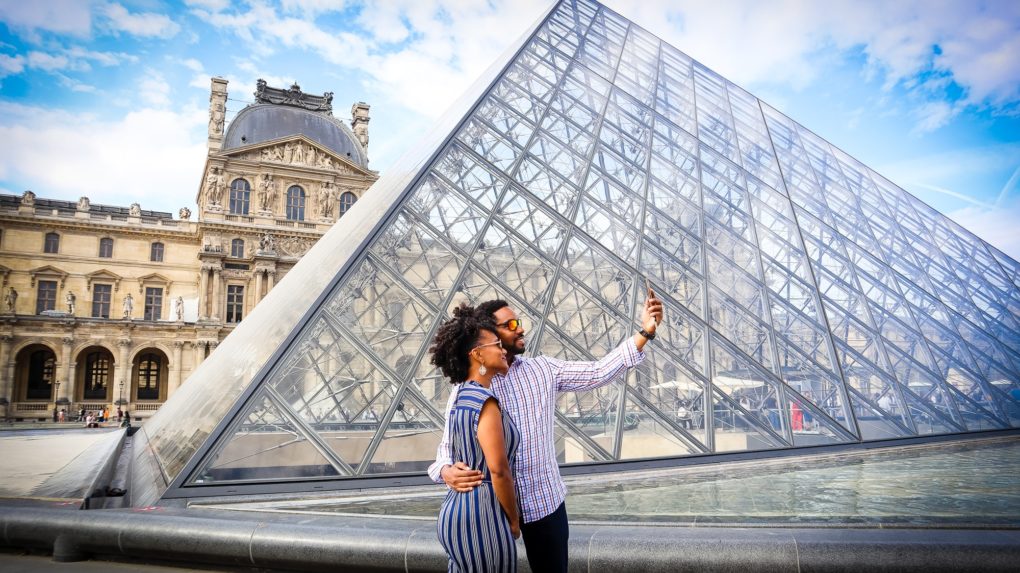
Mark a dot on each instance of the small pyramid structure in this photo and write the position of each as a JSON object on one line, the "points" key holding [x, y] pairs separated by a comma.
{"points": [[808, 300]]}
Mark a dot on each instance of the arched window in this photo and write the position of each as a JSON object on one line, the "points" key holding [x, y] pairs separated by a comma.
{"points": [[106, 248], [240, 196], [156, 252], [41, 366], [98, 369], [52, 243], [237, 248], [150, 368], [347, 199], [295, 204]]}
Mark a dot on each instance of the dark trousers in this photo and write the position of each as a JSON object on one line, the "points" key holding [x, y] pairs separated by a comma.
{"points": [[546, 541]]}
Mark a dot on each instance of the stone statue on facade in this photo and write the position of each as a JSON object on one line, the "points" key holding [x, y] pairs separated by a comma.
{"points": [[129, 306], [325, 161], [267, 192], [298, 153], [136, 210], [310, 156], [11, 299], [327, 200], [184, 214], [69, 299], [179, 308], [28, 198], [214, 186], [83, 204], [267, 244]]}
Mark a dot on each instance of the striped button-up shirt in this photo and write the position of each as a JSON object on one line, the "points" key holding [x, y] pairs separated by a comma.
{"points": [[527, 392]]}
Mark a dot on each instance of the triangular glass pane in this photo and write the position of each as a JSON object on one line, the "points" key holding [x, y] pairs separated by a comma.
{"points": [[409, 441], [676, 393], [648, 432], [264, 444], [742, 425]]}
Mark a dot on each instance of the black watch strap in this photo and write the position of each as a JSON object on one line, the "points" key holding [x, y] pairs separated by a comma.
{"points": [[646, 334]]}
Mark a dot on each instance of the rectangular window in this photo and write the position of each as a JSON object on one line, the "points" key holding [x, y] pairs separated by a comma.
{"points": [[52, 243], [235, 303], [46, 296], [156, 254], [153, 303], [106, 248], [101, 297]]}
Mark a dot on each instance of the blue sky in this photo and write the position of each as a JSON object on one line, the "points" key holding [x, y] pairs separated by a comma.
{"points": [[109, 99]]}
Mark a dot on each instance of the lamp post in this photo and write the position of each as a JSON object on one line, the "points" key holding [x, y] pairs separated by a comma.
{"points": [[120, 402], [56, 397]]}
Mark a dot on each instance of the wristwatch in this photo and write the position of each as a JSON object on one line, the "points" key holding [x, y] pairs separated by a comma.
{"points": [[646, 334]]}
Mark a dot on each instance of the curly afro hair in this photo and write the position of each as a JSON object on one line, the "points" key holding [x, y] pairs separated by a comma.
{"points": [[455, 339]]}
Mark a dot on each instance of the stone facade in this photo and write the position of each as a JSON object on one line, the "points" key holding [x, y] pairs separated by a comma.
{"points": [[107, 306]]}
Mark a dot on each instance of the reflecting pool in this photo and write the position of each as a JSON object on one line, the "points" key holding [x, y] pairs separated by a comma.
{"points": [[973, 483]]}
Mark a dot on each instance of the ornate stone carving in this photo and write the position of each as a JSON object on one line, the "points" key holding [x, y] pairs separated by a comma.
{"points": [[83, 204], [216, 113], [293, 246], [135, 210], [179, 308], [69, 298], [267, 244], [28, 198], [184, 214], [293, 97]]}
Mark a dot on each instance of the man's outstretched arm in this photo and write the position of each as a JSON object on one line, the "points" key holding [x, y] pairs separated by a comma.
{"points": [[576, 376]]}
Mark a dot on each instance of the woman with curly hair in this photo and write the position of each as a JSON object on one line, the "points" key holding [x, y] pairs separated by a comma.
{"points": [[478, 528]]}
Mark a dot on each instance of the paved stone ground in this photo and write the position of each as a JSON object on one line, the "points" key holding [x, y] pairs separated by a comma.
{"points": [[31, 456], [17, 562]]}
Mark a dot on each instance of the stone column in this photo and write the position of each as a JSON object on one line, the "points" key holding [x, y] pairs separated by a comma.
{"points": [[123, 373], [67, 368], [6, 375], [212, 346], [203, 293], [217, 294], [272, 280], [258, 286], [199, 348], [175, 368]]}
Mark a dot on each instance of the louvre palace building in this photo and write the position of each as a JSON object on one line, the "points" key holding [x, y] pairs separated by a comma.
{"points": [[110, 305]]}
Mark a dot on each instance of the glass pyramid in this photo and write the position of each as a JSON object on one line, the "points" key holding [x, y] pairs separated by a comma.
{"points": [[808, 300]]}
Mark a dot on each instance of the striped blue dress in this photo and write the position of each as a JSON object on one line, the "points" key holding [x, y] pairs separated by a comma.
{"points": [[472, 526]]}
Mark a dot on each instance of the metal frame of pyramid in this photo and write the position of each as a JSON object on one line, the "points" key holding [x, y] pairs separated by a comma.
{"points": [[809, 301]]}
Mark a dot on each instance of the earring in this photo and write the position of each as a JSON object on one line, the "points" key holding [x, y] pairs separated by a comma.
{"points": [[482, 370]]}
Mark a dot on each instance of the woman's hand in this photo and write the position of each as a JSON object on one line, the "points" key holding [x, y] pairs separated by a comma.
{"points": [[515, 529]]}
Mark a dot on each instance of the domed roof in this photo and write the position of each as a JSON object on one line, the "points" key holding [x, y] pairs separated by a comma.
{"points": [[266, 121]]}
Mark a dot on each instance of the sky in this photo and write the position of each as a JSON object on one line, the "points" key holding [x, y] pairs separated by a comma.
{"points": [[109, 99]]}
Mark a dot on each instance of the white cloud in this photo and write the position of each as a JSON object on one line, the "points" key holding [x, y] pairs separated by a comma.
{"points": [[154, 89], [933, 115], [58, 16], [48, 62], [10, 65], [140, 24], [312, 7], [212, 5], [151, 156], [997, 226]]}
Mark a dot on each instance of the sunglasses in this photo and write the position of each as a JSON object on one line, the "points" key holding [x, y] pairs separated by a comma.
{"points": [[500, 343], [512, 325]]}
